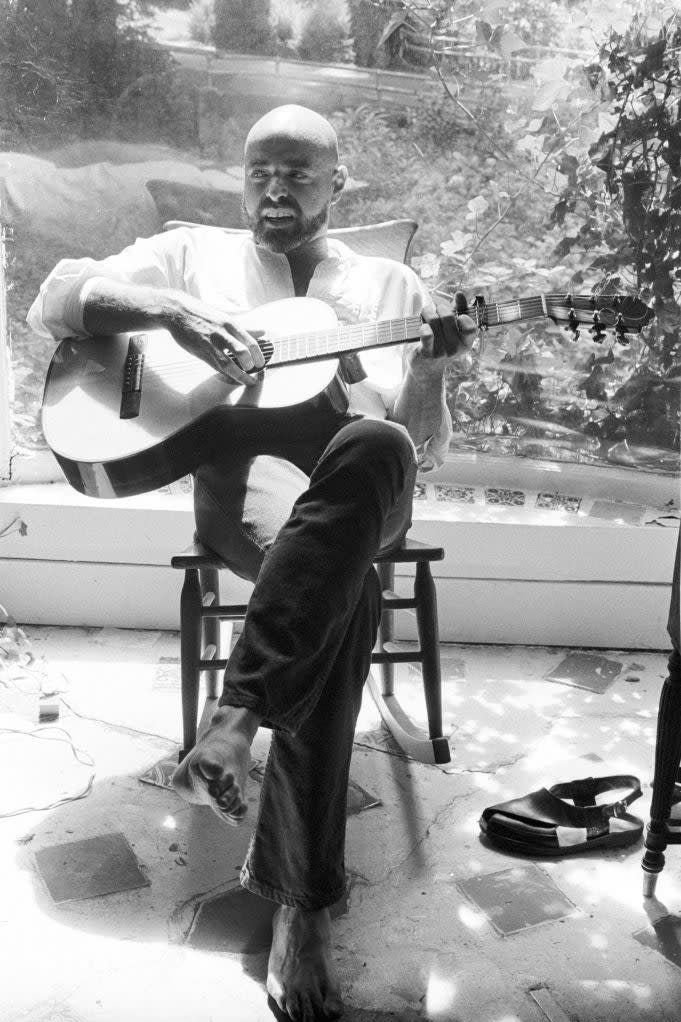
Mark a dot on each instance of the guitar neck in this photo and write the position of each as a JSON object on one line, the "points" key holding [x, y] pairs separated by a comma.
{"points": [[341, 340], [344, 338]]}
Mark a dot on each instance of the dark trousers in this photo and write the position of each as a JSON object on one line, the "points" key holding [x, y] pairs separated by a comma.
{"points": [[304, 520]]}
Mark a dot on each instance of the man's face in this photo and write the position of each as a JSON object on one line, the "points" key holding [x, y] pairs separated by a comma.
{"points": [[288, 189]]}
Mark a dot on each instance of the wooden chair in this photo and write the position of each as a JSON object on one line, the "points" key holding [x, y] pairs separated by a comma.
{"points": [[201, 611]]}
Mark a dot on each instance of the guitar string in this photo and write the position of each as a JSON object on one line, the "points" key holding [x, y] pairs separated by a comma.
{"points": [[537, 303], [345, 338], [169, 368], [336, 341], [495, 314]]}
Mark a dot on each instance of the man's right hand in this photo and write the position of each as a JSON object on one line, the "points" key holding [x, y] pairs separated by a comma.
{"points": [[212, 335]]}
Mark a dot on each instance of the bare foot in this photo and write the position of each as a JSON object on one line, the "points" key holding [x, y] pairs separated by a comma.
{"points": [[300, 975], [214, 772]]}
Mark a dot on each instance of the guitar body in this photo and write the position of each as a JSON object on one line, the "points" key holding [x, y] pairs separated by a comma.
{"points": [[105, 455]]}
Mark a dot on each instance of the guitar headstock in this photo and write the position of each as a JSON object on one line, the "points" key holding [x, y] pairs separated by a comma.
{"points": [[622, 313]]}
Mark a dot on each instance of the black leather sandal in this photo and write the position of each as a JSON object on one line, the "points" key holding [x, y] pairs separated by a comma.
{"points": [[543, 823]]}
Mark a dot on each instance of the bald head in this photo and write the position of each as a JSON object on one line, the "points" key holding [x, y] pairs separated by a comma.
{"points": [[297, 125], [291, 177]]}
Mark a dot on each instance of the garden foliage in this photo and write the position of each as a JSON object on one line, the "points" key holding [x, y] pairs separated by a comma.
{"points": [[593, 141], [63, 64]]}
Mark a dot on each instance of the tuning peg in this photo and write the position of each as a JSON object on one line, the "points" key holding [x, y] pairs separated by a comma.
{"points": [[573, 324], [597, 331], [620, 329], [460, 303]]}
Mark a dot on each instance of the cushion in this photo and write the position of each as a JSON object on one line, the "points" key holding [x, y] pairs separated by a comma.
{"points": [[390, 239], [212, 207]]}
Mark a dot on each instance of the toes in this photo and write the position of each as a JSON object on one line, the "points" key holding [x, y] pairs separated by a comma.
{"points": [[333, 1006], [276, 1006], [293, 1009], [182, 782], [213, 771], [313, 1008], [275, 990], [308, 1012], [239, 813], [230, 801], [224, 789]]}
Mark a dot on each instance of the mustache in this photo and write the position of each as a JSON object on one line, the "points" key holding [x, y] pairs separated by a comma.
{"points": [[270, 207]]}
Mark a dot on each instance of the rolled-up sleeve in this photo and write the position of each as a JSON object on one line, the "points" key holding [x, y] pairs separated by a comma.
{"points": [[58, 308], [436, 422]]}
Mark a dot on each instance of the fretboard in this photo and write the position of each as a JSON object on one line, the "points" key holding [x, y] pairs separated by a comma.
{"points": [[342, 339], [496, 313]]}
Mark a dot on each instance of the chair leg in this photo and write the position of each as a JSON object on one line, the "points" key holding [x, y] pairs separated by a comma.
{"points": [[431, 748], [667, 758], [386, 626], [429, 641], [190, 653], [210, 583]]}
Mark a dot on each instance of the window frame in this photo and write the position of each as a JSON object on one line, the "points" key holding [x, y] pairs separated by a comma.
{"points": [[5, 368], [32, 487]]}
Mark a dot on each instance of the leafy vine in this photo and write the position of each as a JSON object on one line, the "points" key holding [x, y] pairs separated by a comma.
{"points": [[597, 126]]}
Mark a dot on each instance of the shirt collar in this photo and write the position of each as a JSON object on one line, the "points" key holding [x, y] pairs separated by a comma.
{"points": [[339, 252]]}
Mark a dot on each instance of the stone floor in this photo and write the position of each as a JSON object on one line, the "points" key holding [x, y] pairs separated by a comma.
{"points": [[122, 903]]}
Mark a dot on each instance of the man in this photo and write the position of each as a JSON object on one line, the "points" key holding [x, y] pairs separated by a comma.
{"points": [[302, 509]]}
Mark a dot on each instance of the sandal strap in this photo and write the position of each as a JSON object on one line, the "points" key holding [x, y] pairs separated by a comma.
{"points": [[583, 793]]}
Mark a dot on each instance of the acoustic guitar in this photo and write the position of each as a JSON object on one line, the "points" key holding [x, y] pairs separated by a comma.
{"points": [[129, 413]]}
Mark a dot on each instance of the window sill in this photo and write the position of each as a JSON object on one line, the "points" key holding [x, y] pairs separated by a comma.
{"points": [[511, 574]]}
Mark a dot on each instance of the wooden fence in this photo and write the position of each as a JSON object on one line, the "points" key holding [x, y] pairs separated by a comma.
{"points": [[257, 82]]}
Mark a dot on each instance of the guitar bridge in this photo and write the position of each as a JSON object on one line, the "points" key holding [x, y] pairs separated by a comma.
{"points": [[133, 369]]}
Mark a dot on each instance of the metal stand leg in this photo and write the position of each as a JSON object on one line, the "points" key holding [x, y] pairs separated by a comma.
{"points": [[667, 758]]}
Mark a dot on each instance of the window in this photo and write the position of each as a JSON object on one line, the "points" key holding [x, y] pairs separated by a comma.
{"points": [[160, 137], [84, 170]]}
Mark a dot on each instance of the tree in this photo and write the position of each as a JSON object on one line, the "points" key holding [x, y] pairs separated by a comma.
{"points": [[63, 64], [243, 26], [368, 24]]}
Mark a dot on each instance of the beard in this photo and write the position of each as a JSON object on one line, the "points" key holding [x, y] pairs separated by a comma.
{"points": [[285, 237]]}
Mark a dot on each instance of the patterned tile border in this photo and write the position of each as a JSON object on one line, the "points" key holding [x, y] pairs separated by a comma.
{"points": [[502, 495], [558, 502], [455, 494]]}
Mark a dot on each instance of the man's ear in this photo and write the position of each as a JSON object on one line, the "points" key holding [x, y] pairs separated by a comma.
{"points": [[340, 176]]}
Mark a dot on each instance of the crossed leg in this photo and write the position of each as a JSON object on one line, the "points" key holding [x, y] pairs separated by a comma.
{"points": [[299, 666]]}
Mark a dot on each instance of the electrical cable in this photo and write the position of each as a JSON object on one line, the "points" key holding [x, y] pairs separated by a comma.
{"points": [[82, 757]]}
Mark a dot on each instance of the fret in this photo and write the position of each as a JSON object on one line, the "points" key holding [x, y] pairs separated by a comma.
{"points": [[344, 338], [514, 311]]}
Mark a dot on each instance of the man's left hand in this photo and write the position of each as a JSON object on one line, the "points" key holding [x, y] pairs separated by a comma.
{"points": [[445, 335]]}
